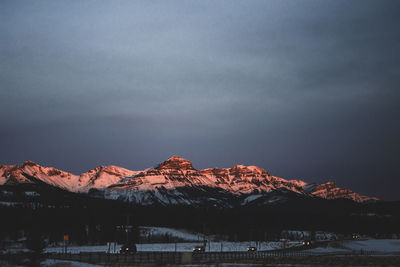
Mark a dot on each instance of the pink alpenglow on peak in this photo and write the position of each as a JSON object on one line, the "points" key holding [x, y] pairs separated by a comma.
{"points": [[29, 171], [176, 162], [329, 190], [103, 176], [168, 178]]}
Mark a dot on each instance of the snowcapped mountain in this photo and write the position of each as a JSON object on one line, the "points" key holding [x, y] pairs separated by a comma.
{"points": [[329, 190], [176, 182], [103, 176], [31, 173], [169, 184]]}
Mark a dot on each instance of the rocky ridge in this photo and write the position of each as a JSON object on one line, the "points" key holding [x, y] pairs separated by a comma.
{"points": [[176, 182]]}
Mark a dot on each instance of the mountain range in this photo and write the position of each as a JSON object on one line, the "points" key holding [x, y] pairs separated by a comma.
{"points": [[176, 182]]}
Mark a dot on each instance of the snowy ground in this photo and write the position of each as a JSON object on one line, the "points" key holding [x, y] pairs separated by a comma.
{"points": [[379, 245], [383, 246], [328, 250], [59, 263], [368, 245], [62, 263], [146, 231], [194, 239], [182, 247]]}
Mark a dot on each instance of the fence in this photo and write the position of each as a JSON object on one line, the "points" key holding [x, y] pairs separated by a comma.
{"points": [[174, 257]]}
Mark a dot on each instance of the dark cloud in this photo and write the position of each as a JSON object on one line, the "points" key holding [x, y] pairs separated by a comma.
{"points": [[305, 89]]}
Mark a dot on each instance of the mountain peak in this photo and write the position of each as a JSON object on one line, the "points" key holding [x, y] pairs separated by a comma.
{"points": [[238, 166], [29, 163], [176, 157], [175, 172], [176, 162], [329, 183]]}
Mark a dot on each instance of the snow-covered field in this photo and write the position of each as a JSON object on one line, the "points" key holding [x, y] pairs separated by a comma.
{"points": [[379, 245], [9, 203], [369, 245], [328, 250], [191, 240], [59, 263], [182, 247], [146, 231]]}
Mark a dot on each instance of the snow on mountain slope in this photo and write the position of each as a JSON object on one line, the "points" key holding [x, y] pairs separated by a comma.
{"points": [[11, 174], [27, 172], [3, 169], [177, 172], [175, 181], [174, 172], [240, 179], [167, 184], [329, 190], [103, 176]]}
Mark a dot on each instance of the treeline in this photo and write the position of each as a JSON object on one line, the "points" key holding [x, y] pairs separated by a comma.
{"points": [[93, 225], [93, 221]]}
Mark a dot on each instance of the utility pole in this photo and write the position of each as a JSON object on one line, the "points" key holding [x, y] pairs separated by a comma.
{"points": [[204, 237], [127, 228]]}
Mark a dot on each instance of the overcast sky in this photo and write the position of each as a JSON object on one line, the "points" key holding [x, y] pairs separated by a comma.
{"points": [[305, 89]]}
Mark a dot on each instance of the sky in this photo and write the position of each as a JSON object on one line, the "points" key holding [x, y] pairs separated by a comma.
{"points": [[304, 89]]}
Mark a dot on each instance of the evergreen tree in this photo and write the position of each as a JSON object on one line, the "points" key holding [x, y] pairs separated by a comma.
{"points": [[36, 244]]}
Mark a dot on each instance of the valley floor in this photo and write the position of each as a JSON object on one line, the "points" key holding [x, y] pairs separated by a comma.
{"points": [[375, 246], [182, 247]]}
